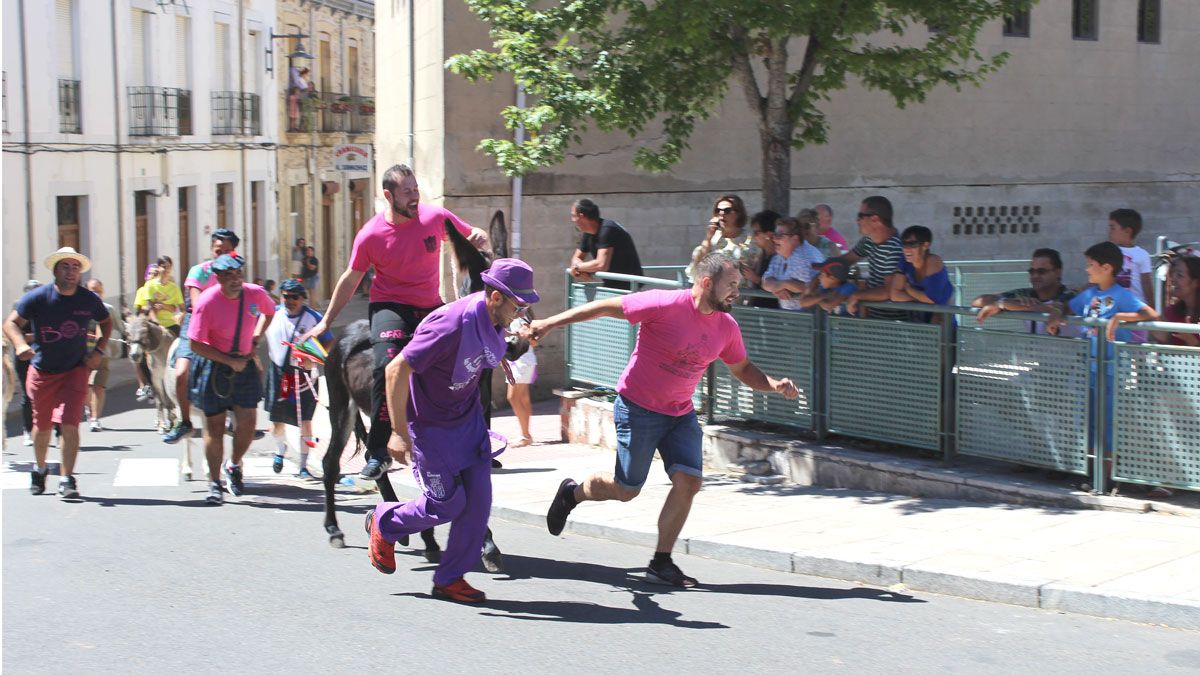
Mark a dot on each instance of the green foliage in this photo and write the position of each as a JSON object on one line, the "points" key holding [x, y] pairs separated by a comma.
{"points": [[623, 65]]}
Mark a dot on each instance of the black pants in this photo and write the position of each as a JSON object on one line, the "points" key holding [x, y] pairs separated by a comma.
{"points": [[26, 402], [392, 327]]}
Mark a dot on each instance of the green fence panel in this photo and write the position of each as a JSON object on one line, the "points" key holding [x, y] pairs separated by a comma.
{"points": [[1024, 399], [975, 284], [885, 381], [597, 350], [1156, 427], [780, 343]]}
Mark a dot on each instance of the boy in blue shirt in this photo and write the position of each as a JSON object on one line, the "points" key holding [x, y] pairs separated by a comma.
{"points": [[833, 287]]}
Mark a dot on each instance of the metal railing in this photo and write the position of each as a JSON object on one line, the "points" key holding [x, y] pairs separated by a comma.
{"points": [[70, 119], [236, 113], [160, 111], [1125, 412], [362, 115]]}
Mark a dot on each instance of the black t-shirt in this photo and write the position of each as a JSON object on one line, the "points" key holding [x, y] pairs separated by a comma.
{"points": [[310, 267], [624, 258]]}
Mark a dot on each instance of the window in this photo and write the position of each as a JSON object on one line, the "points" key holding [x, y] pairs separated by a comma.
{"points": [[221, 55], [1084, 20], [1149, 21], [1016, 23], [352, 67], [68, 223], [139, 41], [64, 19], [224, 207], [325, 64], [297, 212], [183, 35]]}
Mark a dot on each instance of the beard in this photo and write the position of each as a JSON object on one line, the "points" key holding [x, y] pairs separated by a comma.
{"points": [[403, 210], [715, 301]]}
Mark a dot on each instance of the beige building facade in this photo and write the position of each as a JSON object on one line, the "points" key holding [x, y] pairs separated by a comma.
{"points": [[1072, 128], [328, 108]]}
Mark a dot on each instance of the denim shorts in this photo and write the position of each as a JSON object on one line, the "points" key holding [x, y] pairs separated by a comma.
{"points": [[640, 431], [184, 350]]}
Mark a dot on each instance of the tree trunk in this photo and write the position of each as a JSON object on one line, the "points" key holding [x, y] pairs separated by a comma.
{"points": [[777, 168]]}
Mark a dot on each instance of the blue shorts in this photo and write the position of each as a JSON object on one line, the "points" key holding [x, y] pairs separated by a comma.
{"points": [[640, 431], [184, 350]]}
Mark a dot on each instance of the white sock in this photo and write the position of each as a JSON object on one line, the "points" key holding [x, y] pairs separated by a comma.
{"points": [[303, 459], [281, 445]]}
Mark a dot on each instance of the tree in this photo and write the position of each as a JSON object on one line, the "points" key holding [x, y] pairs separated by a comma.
{"points": [[626, 64]]}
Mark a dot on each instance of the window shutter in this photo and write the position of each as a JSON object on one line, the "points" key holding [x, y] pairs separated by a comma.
{"points": [[182, 24], [222, 70], [137, 40], [65, 37]]}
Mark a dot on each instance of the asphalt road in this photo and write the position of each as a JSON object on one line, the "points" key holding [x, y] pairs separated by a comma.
{"points": [[146, 578]]}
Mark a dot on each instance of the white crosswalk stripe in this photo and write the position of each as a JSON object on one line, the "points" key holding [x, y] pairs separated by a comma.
{"points": [[147, 472]]}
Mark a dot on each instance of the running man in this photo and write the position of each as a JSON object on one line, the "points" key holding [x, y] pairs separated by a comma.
{"points": [[59, 314], [681, 333], [284, 369], [199, 279], [227, 322], [403, 244], [433, 395]]}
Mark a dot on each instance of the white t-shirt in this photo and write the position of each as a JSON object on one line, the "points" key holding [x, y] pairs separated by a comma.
{"points": [[1137, 263], [284, 327]]}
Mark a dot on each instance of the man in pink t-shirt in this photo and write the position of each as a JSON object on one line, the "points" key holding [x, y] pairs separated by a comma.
{"points": [[227, 323], [403, 244], [825, 227], [681, 333]]}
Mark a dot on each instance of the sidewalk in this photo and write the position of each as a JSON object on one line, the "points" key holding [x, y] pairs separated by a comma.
{"points": [[1138, 567]]}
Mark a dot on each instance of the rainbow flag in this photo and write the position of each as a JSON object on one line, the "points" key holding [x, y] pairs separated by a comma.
{"points": [[313, 349]]}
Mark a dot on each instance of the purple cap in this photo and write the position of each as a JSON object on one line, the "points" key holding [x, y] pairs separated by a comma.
{"points": [[513, 278]]}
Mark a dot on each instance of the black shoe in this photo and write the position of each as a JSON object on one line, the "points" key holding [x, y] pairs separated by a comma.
{"points": [[233, 474], [560, 508], [37, 480], [375, 469], [68, 488], [216, 495], [668, 574], [277, 464]]}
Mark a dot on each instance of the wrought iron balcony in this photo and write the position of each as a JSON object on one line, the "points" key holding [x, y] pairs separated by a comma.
{"points": [[236, 113], [160, 111], [70, 121]]}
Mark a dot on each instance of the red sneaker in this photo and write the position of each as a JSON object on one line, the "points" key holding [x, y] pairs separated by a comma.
{"points": [[459, 591], [382, 552]]}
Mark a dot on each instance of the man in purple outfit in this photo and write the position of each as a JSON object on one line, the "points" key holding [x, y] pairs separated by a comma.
{"points": [[433, 396]]}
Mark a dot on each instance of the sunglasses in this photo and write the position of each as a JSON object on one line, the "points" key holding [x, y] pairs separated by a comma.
{"points": [[862, 215], [721, 212], [522, 310], [292, 296]]}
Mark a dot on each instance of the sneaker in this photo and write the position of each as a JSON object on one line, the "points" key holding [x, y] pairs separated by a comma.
{"points": [[37, 480], [382, 553], [560, 508], [68, 488], [182, 428], [668, 574], [233, 474], [459, 591], [277, 464], [216, 495], [145, 394], [95, 426], [375, 469], [305, 474], [26, 439]]}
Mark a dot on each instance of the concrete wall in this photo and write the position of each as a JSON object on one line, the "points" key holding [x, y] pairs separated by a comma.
{"points": [[1069, 129]]}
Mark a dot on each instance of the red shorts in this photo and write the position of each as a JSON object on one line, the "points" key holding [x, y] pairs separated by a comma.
{"points": [[57, 397]]}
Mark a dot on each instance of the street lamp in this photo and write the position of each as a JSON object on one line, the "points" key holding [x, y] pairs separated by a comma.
{"points": [[299, 52]]}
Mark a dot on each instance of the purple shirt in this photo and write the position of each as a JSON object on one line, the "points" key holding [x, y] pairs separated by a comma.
{"points": [[432, 354]]}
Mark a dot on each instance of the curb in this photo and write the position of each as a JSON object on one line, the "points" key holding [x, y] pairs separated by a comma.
{"points": [[923, 576]]}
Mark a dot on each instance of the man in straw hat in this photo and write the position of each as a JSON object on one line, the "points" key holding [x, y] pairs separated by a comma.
{"points": [[433, 398], [59, 315]]}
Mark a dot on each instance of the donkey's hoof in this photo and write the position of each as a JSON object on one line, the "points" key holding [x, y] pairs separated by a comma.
{"points": [[336, 538], [492, 559], [433, 555]]}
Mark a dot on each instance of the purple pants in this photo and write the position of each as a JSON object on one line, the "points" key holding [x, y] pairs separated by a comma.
{"points": [[463, 499]]}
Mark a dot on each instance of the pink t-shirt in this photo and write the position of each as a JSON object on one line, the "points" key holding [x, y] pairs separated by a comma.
{"points": [[405, 256], [675, 344], [214, 318], [836, 237]]}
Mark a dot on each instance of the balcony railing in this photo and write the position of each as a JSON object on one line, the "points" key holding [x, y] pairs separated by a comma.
{"points": [[236, 113], [69, 119], [330, 112], [160, 111]]}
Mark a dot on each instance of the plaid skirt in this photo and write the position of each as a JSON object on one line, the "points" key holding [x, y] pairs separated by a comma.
{"points": [[215, 388], [280, 401]]}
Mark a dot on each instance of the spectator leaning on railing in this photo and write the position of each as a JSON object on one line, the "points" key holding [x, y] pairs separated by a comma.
{"points": [[832, 287], [880, 246], [1045, 293], [792, 265], [1185, 288], [725, 233], [808, 222], [825, 226], [604, 246], [762, 227], [922, 275]]}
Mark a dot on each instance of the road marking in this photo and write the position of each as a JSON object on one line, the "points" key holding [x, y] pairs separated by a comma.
{"points": [[147, 472], [14, 480]]}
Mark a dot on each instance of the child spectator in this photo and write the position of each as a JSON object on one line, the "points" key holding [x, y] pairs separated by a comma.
{"points": [[833, 287], [1185, 288], [1136, 274], [923, 276], [812, 234], [791, 267]]}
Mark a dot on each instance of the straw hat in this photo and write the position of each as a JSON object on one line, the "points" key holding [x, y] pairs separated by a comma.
{"points": [[67, 252]]}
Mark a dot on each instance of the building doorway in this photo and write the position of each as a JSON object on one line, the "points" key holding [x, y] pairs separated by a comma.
{"points": [[141, 228], [184, 263]]}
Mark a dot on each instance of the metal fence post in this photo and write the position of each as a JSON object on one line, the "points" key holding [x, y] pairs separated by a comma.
{"points": [[820, 365], [1100, 437], [948, 425]]}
